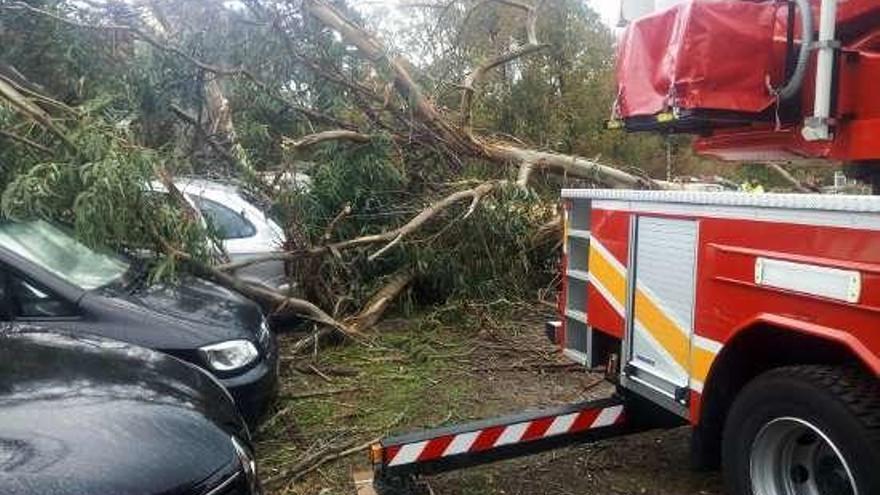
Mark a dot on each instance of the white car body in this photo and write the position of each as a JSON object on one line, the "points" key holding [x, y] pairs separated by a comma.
{"points": [[245, 231]]}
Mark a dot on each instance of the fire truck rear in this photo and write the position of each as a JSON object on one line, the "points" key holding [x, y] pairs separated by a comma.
{"points": [[752, 318]]}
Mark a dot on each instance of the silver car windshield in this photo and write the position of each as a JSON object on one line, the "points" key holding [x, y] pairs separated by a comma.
{"points": [[60, 253]]}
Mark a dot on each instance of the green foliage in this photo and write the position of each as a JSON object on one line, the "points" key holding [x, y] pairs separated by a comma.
{"points": [[486, 255], [365, 177], [103, 191]]}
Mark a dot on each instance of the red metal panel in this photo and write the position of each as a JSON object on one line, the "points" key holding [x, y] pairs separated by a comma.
{"points": [[857, 115], [602, 316], [611, 229], [761, 143], [729, 300], [854, 17]]}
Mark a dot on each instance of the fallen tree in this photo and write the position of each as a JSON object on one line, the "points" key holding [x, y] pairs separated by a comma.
{"points": [[388, 116]]}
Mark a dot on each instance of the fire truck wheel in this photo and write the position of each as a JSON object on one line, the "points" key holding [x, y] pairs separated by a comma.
{"points": [[804, 430]]}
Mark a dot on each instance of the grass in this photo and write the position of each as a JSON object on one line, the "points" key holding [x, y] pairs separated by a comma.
{"points": [[409, 378]]}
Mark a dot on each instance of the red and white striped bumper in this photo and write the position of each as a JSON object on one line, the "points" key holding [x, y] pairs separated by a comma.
{"points": [[508, 434]]}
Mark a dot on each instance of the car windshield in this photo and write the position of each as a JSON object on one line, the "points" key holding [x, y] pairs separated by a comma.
{"points": [[60, 253]]}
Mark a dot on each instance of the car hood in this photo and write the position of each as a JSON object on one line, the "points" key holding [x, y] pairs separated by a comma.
{"points": [[88, 415], [192, 312]]}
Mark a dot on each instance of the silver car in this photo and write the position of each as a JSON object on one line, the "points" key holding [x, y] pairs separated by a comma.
{"points": [[245, 230]]}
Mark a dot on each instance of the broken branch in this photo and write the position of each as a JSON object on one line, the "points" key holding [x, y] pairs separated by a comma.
{"points": [[391, 237], [9, 92], [531, 46], [328, 231], [376, 306], [786, 175], [25, 141], [321, 137], [569, 164], [462, 141], [314, 461]]}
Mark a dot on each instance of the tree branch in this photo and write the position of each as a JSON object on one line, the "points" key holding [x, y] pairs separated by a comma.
{"points": [[209, 138], [19, 102], [786, 175], [328, 231], [281, 303], [381, 300], [531, 46], [525, 174], [167, 180], [23, 140], [391, 238], [320, 137], [375, 52], [463, 142], [311, 462], [568, 164]]}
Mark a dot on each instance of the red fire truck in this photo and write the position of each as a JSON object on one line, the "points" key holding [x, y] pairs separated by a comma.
{"points": [[753, 318]]}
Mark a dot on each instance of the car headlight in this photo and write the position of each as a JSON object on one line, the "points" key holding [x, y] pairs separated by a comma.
{"points": [[248, 465], [230, 355]]}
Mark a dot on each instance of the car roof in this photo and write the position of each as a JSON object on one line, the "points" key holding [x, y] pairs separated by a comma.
{"points": [[192, 184]]}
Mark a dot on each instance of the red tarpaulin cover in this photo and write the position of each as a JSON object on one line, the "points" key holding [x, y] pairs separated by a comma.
{"points": [[702, 54]]}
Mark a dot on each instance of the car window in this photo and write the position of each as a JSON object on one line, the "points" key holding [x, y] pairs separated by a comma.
{"points": [[56, 250], [229, 223], [32, 301]]}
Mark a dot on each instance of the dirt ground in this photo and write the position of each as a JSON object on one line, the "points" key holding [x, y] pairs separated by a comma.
{"points": [[454, 365]]}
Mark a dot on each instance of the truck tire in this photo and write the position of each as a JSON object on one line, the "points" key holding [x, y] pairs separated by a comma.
{"points": [[804, 430]]}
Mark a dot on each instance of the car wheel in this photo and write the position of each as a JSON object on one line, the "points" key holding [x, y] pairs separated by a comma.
{"points": [[804, 430]]}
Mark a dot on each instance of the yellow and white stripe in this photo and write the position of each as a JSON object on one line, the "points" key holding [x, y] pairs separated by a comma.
{"points": [[607, 275], [669, 337]]}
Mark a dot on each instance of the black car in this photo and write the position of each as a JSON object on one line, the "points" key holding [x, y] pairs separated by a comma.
{"points": [[50, 279], [88, 416]]}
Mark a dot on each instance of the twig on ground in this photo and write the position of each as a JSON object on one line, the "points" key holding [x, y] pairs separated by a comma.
{"points": [[315, 461], [320, 374], [550, 367], [317, 393]]}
